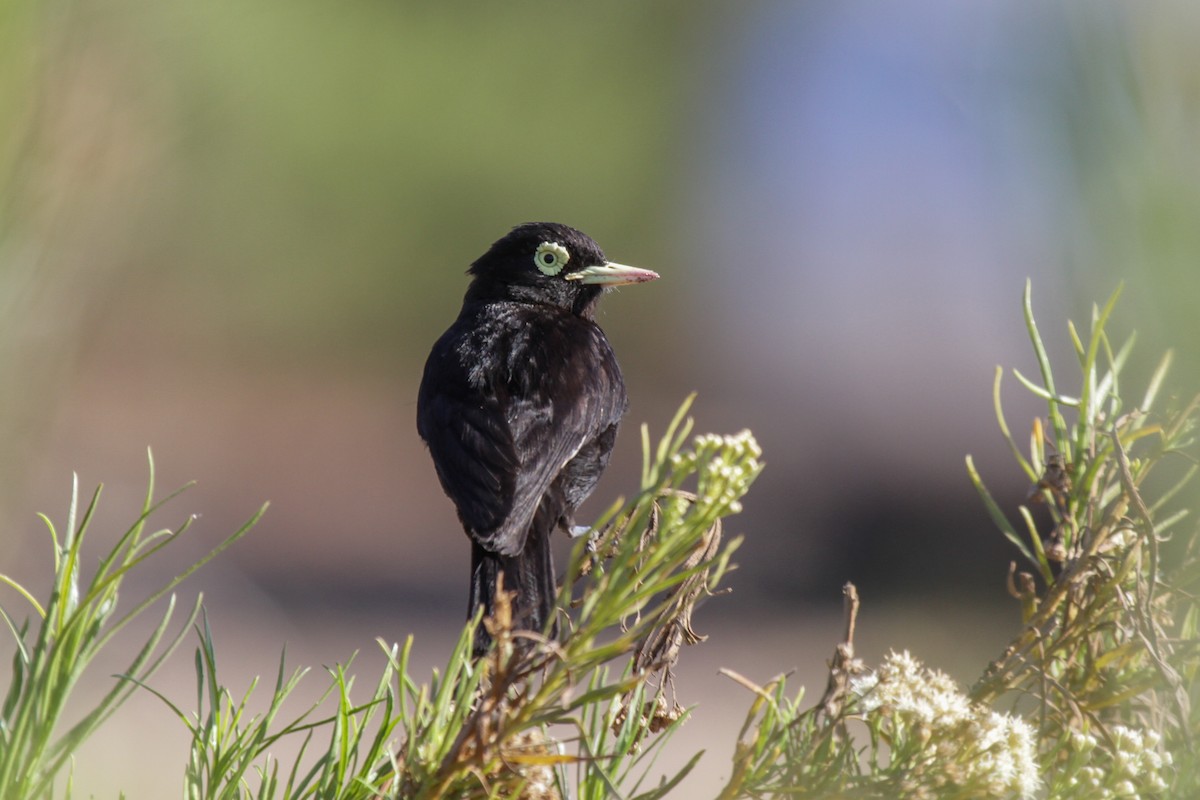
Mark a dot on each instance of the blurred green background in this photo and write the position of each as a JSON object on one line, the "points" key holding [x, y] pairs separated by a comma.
{"points": [[231, 231]]}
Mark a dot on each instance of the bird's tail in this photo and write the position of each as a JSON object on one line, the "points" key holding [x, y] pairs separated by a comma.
{"points": [[529, 574]]}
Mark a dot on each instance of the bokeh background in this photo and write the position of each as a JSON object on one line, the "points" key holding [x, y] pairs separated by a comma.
{"points": [[230, 231]]}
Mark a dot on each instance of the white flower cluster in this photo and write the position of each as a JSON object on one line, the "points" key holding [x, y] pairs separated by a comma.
{"points": [[942, 738], [726, 465], [1133, 767]]}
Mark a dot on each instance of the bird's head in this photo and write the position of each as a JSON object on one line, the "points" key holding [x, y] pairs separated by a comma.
{"points": [[545, 262]]}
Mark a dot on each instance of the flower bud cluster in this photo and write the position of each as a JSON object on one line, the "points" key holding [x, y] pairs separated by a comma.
{"points": [[1131, 767], [726, 466], [940, 738]]}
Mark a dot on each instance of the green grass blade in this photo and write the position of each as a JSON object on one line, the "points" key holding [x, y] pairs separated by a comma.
{"points": [[996, 514], [182, 576], [1156, 381], [1056, 419]]}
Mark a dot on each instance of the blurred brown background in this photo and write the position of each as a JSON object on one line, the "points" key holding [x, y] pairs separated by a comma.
{"points": [[230, 231]]}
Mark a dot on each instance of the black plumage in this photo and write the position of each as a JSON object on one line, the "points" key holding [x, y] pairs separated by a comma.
{"points": [[519, 405]]}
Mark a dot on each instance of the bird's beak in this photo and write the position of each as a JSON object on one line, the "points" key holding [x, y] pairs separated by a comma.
{"points": [[611, 274]]}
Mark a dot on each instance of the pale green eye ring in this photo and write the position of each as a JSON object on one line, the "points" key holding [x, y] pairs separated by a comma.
{"points": [[551, 257]]}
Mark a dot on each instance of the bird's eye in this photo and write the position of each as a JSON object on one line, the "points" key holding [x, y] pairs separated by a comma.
{"points": [[551, 257]]}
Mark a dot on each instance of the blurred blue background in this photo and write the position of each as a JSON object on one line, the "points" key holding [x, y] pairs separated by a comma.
{"points": [[232, 230]]}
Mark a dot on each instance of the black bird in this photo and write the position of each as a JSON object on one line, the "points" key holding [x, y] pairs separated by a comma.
{"points": [[520, 404]]}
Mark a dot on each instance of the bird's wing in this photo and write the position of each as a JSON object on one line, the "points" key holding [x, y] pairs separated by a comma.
{"points": [[465, 427], [476, 462]]}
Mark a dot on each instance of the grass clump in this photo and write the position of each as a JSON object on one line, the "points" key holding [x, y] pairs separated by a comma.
{"points": [[1107, 660], [81, 618], [1095, 697]]}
